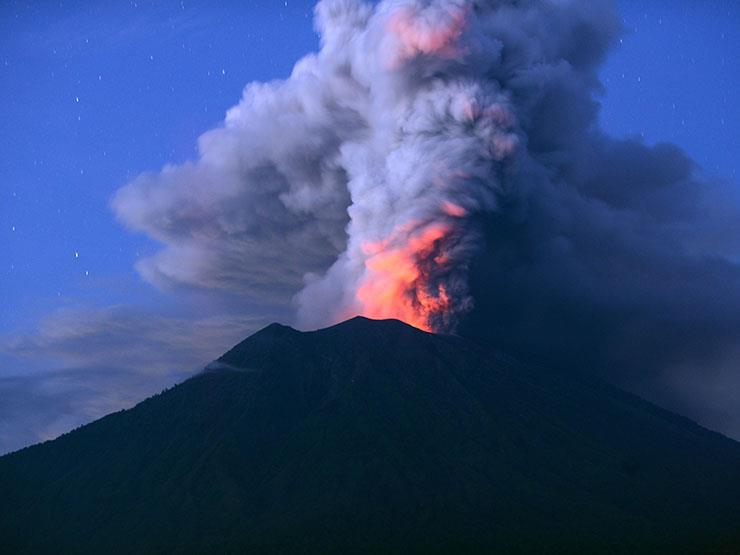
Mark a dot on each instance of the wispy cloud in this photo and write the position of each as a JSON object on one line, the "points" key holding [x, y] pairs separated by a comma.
{"points": [[104, 360], [127, 337], [41, 406]]}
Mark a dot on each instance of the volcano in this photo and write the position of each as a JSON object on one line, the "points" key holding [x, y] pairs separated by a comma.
{"points": [[376, 437]]}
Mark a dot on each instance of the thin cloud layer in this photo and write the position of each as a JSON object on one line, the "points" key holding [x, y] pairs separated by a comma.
{"points": [[127, 337], [103, 360], [39, 407]]}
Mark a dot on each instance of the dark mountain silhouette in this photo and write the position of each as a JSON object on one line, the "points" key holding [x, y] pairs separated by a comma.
{"points": [[372, 436]]}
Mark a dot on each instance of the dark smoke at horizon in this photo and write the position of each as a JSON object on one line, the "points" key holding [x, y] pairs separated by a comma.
{"points": [[442, 162]]}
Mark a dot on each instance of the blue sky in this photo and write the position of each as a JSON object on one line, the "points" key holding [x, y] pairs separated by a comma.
{"points": [[675, 78], [93, 94]]}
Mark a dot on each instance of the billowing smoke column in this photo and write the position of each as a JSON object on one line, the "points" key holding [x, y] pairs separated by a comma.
{"points": [[396, 123], [436, 134], [441, 162]]}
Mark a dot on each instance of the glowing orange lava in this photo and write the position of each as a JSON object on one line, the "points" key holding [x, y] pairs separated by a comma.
{"points": [[397, 283]]}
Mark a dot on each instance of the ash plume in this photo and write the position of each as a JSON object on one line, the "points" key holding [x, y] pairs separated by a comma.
{"points": [[441, 162]]}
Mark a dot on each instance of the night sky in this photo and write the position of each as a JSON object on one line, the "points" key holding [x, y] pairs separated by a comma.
{"points": [[94, 95]]}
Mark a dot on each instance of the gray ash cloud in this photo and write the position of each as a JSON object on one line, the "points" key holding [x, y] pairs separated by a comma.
{"points": [[477, 121]]}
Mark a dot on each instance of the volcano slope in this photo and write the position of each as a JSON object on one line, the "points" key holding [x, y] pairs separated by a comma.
{"points": [[373, 436]]}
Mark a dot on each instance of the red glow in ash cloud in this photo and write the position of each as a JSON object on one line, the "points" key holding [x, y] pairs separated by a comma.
{"points": [[398, 282], [453, 210], [416, 35]]}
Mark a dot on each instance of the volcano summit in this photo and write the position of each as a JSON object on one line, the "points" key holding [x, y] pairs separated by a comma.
{"points": [[374, 436]]}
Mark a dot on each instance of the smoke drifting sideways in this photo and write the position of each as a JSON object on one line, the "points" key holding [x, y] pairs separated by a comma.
{"points": [[441, 162]]}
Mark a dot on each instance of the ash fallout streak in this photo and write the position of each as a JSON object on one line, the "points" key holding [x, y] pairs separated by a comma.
{"points": [[441, 162]]}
